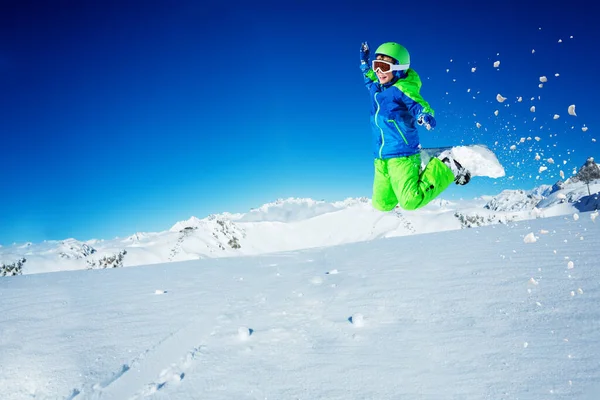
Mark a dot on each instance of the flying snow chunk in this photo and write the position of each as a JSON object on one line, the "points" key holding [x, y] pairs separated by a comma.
{"points": [[519, 99], [532, 51], [537, 157], [473, 69], [513, 147], [496, 64], [557, 75], [479, 160], [543, 79], [500, 98], [357, 319], [537, 138], [496, 113], [556, 116], [594, 215], [550, 160], [530, 238], [575, 216], [532, 109], [533, 281], [570, 265], [585, 128], [562, 175], [478, 125], [559, 40], [159, 291], [541, 85], [572, 110], [542, 169]]}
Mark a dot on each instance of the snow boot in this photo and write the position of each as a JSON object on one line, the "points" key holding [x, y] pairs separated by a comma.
{"points": [[461, 175]]}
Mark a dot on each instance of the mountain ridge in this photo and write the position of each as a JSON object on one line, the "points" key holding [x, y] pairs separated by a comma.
{"points": [[295, 224]]}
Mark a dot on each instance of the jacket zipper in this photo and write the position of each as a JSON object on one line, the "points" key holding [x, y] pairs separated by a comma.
{"points": [[376, 123], [399, 131]]}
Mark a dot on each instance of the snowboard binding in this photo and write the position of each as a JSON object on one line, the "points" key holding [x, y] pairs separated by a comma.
{"points": [[461, 175]]}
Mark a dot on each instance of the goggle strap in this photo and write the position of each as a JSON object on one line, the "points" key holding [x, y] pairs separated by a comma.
{"points": [[401, 67]]}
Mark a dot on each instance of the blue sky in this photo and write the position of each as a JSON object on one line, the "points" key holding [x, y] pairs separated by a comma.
{"points": [[125, 116]]}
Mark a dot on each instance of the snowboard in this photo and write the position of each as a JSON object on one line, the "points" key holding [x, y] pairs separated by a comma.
{"points": [[478, 159]]}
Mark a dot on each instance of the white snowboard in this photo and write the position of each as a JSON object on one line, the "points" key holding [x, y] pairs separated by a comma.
{"points": [[478, 159]]}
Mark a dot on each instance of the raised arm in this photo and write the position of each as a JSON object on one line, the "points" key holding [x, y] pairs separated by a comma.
{"points": [[365, 66]]}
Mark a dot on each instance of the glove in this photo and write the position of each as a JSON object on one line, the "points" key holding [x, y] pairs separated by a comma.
{"points": [[428, 120], [364, 55]]}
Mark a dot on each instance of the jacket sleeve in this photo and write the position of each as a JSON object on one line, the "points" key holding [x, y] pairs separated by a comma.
{"points": [[410, 89], [416, 108]]}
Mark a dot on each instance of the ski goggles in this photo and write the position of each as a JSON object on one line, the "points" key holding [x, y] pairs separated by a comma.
{"points": [[386, 66]]}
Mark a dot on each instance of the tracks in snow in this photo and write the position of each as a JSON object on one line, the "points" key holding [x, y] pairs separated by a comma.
{"points": [[155, 369]]}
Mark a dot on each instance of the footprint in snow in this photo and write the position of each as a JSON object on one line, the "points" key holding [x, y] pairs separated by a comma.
{"points": [[317, 280], [171, 375], [244, 333]]}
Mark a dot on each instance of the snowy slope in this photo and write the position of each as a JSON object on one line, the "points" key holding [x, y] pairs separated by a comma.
{"points": [[464, 314], [295, 224]]}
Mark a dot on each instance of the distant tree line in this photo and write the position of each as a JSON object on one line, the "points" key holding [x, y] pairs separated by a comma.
{"points": [[13, 269]]}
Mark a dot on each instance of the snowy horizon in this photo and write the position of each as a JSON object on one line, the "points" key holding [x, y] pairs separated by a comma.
{"points": [[294, 224], [252, 213]]}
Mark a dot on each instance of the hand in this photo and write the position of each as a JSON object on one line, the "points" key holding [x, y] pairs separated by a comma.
{"points": [[364, 53], [428, 120]]}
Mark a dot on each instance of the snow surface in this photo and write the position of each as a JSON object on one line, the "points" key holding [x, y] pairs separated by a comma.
{"points": [[465, 314]]}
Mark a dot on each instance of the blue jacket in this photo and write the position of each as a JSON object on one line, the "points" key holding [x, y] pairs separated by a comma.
{"points": [[396, 107]]}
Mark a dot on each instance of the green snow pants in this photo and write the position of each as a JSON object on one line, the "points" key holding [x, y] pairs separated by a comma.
{"points": [[399, 181]]}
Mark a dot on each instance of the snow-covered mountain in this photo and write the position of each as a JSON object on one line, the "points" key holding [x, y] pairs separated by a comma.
{"points": [[514, 200], [294, 224]]}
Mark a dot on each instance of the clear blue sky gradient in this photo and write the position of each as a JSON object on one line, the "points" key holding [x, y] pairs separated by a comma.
{"points": [[126, 116]]}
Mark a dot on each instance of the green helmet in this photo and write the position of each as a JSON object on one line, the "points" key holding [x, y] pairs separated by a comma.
{"points": [[396, 51]]}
